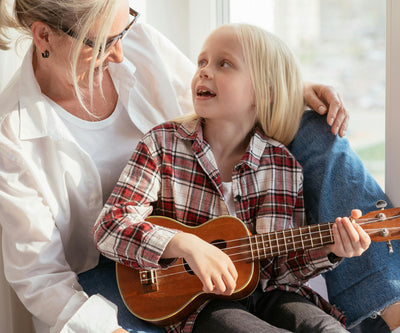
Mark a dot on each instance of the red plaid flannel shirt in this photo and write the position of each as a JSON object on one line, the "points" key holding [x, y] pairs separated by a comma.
{"points": [[173, 173]]}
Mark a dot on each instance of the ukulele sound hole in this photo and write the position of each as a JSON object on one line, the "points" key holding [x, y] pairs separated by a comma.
{"points": [[219, 243], [187, 267]]}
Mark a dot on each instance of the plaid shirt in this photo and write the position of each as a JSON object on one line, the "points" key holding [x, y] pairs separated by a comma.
{"points": [[173, 173]]}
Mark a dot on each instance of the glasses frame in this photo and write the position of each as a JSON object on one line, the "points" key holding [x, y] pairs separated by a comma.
{"points": [[110, 43]]}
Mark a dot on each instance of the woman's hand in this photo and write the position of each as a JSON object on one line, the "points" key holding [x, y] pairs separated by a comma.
{"points": [[325, 99], [350, 239], [212, 266]]}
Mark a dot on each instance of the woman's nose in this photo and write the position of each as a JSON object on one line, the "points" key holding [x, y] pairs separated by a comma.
{"points": [[116, 54]]}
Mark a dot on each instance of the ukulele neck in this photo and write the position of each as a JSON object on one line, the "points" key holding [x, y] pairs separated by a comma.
{"points": [[277, 243]]}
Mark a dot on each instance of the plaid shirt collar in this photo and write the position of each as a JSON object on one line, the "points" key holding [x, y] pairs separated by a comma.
{"points": [[193, 130]]}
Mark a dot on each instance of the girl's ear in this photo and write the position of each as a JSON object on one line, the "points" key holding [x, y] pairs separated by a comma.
{"points": [[41, 33]]}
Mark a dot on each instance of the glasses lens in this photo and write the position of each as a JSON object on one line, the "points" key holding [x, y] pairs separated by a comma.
{"points": [[115, 40]]}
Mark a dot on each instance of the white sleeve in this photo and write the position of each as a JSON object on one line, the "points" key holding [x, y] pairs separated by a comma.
{"points": [[97, 314], [34, 258]]}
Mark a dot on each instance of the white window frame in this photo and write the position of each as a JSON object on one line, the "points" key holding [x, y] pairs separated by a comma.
{"points": [[392, 136]]}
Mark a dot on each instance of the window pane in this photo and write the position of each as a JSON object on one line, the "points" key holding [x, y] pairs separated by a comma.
{"points": [[341, 43]]}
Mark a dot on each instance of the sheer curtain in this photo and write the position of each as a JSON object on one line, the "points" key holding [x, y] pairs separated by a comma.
{"points": [[14, 318]]}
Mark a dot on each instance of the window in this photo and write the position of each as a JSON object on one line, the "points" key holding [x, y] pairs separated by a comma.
{"points": [[344, 22], [341, 43]]}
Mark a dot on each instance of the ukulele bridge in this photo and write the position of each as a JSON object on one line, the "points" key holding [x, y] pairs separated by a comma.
{"points": [[148, 280]]}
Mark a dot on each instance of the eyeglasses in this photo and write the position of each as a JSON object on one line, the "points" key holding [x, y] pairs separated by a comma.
{"points": [[112, 41]]}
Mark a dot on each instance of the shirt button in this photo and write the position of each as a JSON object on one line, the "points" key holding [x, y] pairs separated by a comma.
{"points": [[238, 198]]}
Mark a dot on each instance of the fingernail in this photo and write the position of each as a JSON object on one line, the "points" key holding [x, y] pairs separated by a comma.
{"points": [[322, 109]]}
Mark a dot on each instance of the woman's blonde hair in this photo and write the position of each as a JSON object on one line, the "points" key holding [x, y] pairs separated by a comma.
{"points": [[276, 79], [77, 15]]}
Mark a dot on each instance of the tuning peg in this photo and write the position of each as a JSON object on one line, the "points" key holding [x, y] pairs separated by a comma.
{"points": [[381, 204], [390, 247]]}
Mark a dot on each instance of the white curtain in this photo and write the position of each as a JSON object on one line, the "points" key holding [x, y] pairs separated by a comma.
{"points": [[14, 318]]}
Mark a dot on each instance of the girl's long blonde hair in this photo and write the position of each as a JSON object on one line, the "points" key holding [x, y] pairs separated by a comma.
{"points": [[276, 79], [77, 15]]}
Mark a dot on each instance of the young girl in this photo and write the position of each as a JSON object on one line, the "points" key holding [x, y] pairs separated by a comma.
{"points": [[229, 158]]}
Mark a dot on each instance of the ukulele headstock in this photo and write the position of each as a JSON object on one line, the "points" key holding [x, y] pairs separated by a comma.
{"points": [[382, 225]]}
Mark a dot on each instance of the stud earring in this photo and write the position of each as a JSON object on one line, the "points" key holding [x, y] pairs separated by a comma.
{"points": [[45, 54]]}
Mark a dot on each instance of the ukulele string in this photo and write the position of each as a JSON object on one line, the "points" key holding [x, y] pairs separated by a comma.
{"points": [[243, 255], [278, 245], [308, 228]]}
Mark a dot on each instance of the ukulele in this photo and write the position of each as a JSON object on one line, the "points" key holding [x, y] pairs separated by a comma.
{"points": [[167, 296]]}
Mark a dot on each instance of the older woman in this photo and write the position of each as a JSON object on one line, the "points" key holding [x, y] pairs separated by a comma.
{"points": [[69, 120]]}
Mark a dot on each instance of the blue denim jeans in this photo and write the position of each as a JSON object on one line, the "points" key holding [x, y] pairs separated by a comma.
{"points": [[102, 280], [335, 182]]}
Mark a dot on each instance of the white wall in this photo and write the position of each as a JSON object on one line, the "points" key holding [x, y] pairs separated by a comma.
{"points": [[186, 22], [11, 59], [172, 18]]}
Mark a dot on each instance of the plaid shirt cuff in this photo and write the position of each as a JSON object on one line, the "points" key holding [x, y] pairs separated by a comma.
{"points": [[153, 246], [320, 259]]}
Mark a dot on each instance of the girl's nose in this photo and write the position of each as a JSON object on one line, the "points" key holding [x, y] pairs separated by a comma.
{"points": [[205, 72]]}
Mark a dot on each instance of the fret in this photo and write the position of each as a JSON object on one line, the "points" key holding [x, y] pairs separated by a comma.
{"points": [[251, 248], [277, 243], [307, 243], [284, 241], [293, 240], [326, 234], [297, 239], [320, 234], [301, 236], [289, 240], [270, 245], [330, 232], [264, 245], [257, 247], [311, 238]]}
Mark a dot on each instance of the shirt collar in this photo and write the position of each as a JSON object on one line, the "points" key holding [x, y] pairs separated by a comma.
{"points": [[37, 118], [193, 130]]}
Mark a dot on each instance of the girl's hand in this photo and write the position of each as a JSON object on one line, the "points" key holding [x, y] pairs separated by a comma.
{"points": [[350, 239], [212, 266], [325, 99]]}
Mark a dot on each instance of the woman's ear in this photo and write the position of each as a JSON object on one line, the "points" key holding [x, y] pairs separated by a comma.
{"points": [[42, 34]]}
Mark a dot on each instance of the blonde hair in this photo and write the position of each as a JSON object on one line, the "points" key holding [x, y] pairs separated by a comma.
{"points": [[277, 82], [77, 15], [276, 79]]}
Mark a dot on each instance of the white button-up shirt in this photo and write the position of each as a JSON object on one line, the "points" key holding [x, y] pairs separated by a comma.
{"points": [[50, 189]]}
